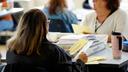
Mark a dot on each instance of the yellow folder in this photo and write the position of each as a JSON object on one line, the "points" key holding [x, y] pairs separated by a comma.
{"points": [[77, 46], [80, 29]]}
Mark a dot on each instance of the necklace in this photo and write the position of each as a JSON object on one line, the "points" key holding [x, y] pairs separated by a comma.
{"points": [[96, 23], [97, 27]]}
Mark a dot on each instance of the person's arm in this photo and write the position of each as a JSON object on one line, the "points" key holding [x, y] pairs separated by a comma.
{"points": [[64, 57], [121, 24], [87, 23], [61, 56], [125, 29], [66, 64]]}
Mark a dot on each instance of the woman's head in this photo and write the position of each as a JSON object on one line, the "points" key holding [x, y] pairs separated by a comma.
{"points": [[32, 29], [55, 4], [111, 5]]}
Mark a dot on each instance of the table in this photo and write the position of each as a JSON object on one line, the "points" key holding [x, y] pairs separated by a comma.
{"points": [[14, 10], [110, 64]]}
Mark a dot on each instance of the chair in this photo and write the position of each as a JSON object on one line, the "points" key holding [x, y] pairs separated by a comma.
{"points": [[2, 67], [6, 34], [23, 68], [16, 17], [57, 25], [17, 5], [86, 4]]}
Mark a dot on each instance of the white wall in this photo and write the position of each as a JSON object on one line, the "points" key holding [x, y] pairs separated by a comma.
{"points": [[124, 5], [78, 4], [29, 4]]}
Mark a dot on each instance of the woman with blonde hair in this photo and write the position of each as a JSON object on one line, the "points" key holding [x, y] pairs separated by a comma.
{"points": [[30, 51]]}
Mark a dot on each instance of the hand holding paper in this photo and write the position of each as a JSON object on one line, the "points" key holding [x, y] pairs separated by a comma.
{"points": [[83, 57]]}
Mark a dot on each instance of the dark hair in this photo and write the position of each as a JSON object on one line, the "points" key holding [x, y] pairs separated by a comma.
{"points": [[56, 4], [113, 5], [32, 29]]}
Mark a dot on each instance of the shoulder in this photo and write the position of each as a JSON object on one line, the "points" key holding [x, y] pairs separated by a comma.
{"points": [[120, 13], [59, 54], [45, 9], [51, 47], [68, 12], [91, 15]]}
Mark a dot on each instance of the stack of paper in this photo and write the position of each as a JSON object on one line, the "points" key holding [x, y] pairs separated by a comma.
{"points": [[83, 49], [67, 41], [70, 39], [77, 46], [102, 38], [54, 36], [96, 46]]}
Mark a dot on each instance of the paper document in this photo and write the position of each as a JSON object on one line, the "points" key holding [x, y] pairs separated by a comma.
{"points": [[89, 48], [80, 29], [77, 46], [95, 59], [83, 49]]}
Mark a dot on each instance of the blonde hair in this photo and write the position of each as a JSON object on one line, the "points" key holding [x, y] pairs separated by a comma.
{"points": [[32, 29]]}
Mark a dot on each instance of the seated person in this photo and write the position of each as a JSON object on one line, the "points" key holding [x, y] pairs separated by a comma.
{"points": [[107, 18], [30, 47], [6, 22], [57, 9]]}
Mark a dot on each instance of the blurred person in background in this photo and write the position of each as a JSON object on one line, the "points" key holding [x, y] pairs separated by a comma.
{"points": [[6, 22], [57, 9], [107, 18]]}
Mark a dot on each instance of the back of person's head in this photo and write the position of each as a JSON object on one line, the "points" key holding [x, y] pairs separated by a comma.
{"points": [[56, 4], [113, 5], [32, 29]]}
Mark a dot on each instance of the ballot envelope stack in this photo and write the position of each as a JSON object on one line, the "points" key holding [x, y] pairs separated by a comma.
{"points": [[74, 44]]}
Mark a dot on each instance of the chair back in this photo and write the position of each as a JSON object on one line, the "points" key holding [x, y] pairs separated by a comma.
{"points": [[16, 17], [2, 67], [57, 25]]}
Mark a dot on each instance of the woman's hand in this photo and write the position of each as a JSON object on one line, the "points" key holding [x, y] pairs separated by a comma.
{"points": [[83, 57]]}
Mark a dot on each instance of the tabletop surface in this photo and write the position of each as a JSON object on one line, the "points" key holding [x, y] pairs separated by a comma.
{"points": [[107, 53], [5, 12]]}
